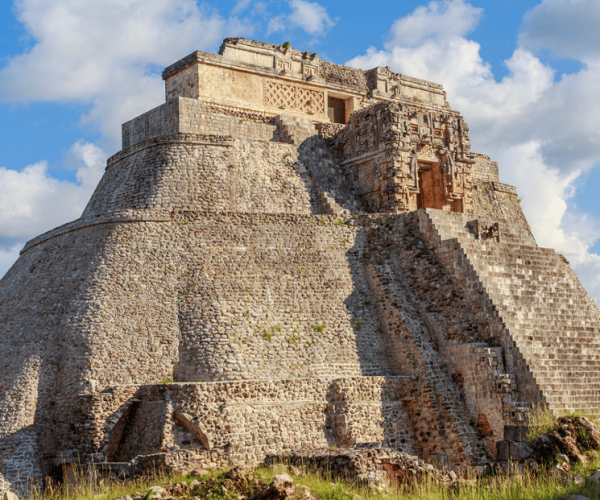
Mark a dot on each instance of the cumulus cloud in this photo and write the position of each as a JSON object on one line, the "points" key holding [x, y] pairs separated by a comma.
{"points": [[546, 200], [240, 6], [544, 132], [8, 257], [32, 201], [310, 16], [569, 28], [442, 20], [106, 53]]}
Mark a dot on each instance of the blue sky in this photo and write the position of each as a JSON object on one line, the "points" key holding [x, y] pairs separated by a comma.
{"points": [[525, 74]]}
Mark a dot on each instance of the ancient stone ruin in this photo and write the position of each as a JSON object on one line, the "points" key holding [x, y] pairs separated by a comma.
{"points": [[287, 254]]}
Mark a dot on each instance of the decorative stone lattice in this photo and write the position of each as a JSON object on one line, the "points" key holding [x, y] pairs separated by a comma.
{"points": [[283, 96]]}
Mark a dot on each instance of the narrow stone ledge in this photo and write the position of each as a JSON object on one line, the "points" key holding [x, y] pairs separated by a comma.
{"points": [[103, 219], [188, 139]]}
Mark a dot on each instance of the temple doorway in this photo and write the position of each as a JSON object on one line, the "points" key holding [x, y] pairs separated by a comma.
{"points": [[426, 194], [336, 110]]}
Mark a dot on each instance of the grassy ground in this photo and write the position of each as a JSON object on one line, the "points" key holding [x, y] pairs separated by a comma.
{"points": [[530, 485], [541, 421]]}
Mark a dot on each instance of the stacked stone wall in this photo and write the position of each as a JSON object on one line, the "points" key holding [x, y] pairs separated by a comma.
{"points": [[248, 420], [403, 157], [208, 296], [192, 116], [421, 314], [441, 236], [343, 75], [184, 81], [198, 296], [210, 173], [484, 169], [494, 200], [201, 259], [269, 296], [275, 297]]}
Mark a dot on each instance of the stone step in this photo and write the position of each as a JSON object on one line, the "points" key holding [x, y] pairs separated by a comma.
{"points": [[538, 301]]}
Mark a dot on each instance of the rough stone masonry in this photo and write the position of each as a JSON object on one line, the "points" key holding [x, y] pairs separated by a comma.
{"points": [[287, 255]]}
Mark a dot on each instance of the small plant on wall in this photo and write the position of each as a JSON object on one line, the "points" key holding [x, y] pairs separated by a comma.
{"points": [[286, 46], [319, 328]]}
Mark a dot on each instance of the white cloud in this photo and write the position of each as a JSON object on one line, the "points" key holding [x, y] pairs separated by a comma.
{"points": [[277, 23], [103, 53], [310, 16], [567, 27], [8, 257], [32, 202], [240, 6], [442, 20], [544, 133], [545, 201]]}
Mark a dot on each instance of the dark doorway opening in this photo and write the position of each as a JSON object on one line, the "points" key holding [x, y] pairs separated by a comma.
{"points": [[336, 110]]}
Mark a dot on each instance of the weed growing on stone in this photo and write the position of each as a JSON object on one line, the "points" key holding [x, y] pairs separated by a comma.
{"points": [[540, 420]]}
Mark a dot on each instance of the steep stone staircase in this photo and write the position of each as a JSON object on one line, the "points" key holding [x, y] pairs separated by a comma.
{"points": [[415, 295], [550, 322]]}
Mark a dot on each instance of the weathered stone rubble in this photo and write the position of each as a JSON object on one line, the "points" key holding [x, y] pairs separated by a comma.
{"points": [[287, 255], [238, 481], [573, 437], [377, 467]]}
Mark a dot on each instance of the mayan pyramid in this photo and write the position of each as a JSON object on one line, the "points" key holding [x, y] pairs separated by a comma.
{"points": [[287, 254]]}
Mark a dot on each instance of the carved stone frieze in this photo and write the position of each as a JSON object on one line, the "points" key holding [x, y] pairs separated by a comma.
{"points": [[485, 230]]}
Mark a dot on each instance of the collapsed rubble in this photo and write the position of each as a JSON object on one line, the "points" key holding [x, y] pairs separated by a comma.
{"points": [[239, 481]]}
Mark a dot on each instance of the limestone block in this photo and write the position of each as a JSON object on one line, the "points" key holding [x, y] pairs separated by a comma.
{"points": [[516, 433], [513, 451], [595, 477]]}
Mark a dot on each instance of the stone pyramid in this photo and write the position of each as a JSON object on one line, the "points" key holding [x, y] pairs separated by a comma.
{"points": [[287, 255]]}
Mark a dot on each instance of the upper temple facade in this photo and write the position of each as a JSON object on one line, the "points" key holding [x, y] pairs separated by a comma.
{"points": [[421, 160], [287, 255]]}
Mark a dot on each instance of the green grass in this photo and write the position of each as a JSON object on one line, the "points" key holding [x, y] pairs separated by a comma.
{"points": [[89, 486], [542, 484], [530, 485], [541, 421]]}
